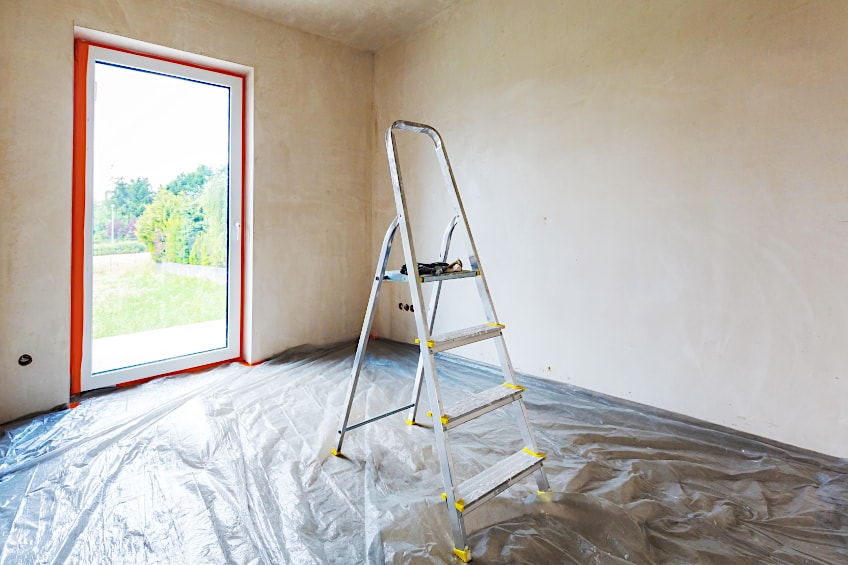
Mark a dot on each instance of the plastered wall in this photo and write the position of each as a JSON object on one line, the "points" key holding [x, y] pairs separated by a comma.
{"points": [[658, 191], [311, 179]]}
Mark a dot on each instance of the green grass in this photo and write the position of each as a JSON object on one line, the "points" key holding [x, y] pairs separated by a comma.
{"points": [[133, 296]]}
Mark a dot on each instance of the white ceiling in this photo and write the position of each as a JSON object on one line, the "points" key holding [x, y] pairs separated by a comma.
{"points": [[363, 24]]}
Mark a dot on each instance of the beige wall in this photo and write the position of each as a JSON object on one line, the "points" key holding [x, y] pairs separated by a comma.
{"points": [[658, 192], [312, 140]]}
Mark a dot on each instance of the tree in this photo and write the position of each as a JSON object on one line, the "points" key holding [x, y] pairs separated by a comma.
{"points": [[190, 184], [152, 227], [212, 241], [177, 238], [131, 197], [188, 225], [119, 211]]}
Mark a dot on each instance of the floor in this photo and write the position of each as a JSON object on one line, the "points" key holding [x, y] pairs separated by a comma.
{"points": [[233, 465]]}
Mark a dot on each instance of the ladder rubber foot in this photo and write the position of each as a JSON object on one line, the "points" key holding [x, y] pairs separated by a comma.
{"points": [[409, 422], [463, 554], [334, 452], [545, 495]]}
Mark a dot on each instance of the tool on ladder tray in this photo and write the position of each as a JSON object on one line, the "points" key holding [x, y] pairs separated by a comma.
{"points": [[469, 495]]}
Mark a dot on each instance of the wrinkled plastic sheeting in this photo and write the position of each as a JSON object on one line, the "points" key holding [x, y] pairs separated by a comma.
{"points": [[233, 465]]}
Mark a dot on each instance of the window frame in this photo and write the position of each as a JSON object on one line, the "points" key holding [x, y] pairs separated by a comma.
{"points": [[87, 54]]}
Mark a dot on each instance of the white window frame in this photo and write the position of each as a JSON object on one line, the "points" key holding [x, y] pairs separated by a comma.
{"points": [[236, 194]]}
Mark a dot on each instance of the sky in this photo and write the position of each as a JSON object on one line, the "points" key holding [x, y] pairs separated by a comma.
{"points": [[154, 126]]}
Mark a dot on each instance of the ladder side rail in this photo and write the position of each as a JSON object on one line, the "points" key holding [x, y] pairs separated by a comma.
{"points": [[450, 181], [509, 376], [442, 441], [443, 448], [418, 128], [413, 276], [473, 256], [380, 271], [520, 411], [434, 305]]}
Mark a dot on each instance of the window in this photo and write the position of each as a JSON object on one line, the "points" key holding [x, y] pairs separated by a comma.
{"points": [[157, 245]]}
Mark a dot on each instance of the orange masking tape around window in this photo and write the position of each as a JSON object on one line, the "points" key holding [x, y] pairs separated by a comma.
{"points": [[180, 372], [78, 211], [78, 235]]}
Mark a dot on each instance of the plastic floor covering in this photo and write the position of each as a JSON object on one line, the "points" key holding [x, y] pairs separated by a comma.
{"points": [[233, 465]]}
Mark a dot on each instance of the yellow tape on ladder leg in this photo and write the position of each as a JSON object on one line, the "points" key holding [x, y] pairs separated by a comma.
{"points": [[459, 504], [534, 454], [463, 554]]}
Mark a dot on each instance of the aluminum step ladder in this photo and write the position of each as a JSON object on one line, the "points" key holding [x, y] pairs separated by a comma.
{"points": [[464, 497]]}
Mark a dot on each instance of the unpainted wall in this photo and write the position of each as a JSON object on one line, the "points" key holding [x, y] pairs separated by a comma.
{"points": [[658, 193], [311, 187]]}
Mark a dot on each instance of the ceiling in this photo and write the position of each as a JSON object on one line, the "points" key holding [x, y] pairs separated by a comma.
{"points": [[363, 24]]}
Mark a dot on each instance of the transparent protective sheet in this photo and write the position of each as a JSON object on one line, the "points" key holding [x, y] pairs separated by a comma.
{"points": [[233, 465]]}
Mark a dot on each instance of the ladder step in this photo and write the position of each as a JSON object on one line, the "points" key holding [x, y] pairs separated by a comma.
{"points": [[494, 480], [458, 338], [479, 404], [397, 276]]}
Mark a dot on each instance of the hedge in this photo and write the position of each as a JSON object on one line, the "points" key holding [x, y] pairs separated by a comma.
{"points": [[119, 248]]}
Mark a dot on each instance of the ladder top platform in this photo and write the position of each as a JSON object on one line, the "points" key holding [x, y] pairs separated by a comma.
{"points": [[397, 276]]}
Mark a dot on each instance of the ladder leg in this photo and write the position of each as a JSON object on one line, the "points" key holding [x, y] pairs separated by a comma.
{"points": [[478, 489], [423, 326], [443, 448], [363, 335], [434, 305], [416, 392]]}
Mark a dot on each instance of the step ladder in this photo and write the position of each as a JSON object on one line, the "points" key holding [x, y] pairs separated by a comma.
{"points": [[469, 495]]}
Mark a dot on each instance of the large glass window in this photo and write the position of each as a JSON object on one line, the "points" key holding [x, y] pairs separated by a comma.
{"points": [[162, 245]]}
